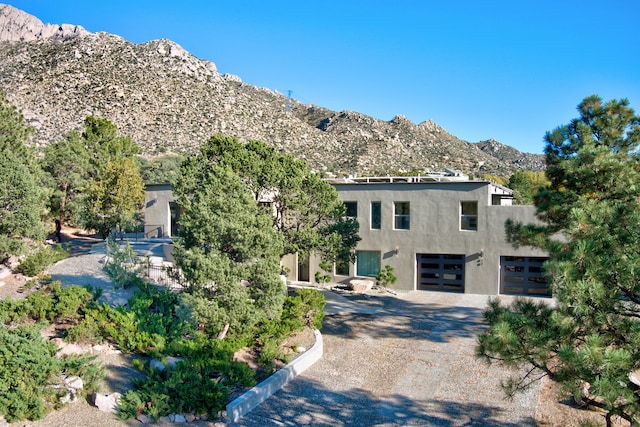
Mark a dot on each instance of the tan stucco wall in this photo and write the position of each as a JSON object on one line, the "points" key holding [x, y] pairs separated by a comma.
{"points": [[157, 214], [435, 229]]}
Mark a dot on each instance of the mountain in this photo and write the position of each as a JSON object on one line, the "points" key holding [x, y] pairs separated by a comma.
{"points": [[167, 100]]}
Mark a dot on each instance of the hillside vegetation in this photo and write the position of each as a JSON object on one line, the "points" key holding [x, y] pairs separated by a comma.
{"points": [[167, 100]]}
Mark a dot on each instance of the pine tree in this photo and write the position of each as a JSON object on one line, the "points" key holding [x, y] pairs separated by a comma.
{"points": [[590, 341], [67, 163], [228, 250], [21, 178]]}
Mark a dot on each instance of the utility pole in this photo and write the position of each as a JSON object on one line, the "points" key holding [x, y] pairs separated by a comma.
{"points": [[288, 105]]}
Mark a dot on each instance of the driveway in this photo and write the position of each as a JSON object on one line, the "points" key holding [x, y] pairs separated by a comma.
{"points": [[410, 363]]}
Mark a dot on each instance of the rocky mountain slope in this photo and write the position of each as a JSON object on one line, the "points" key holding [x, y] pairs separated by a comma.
{"points": [[170, 101]]}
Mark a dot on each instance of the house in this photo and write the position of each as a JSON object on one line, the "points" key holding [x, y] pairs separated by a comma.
{"points": [[439, 232]]}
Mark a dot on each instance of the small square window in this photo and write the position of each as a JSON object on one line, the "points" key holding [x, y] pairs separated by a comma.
{"points": [[401, 216], [469, 216], [352, 209], [376, 215]]}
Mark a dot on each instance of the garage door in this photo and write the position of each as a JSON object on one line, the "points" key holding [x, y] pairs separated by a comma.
{"points": [[523, 276], [441, 272]]}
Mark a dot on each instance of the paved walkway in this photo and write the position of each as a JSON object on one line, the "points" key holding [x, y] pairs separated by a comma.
{"points": [[411, 363]]}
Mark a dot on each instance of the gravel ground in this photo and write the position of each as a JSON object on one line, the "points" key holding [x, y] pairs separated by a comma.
{"points": [[411, 362]]}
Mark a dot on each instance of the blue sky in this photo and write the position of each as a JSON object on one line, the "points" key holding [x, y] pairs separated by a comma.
{"points": [[508, 70]]}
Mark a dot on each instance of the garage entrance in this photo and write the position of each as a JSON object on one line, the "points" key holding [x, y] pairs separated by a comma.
{"points": [[523, 276], [441, 272]]}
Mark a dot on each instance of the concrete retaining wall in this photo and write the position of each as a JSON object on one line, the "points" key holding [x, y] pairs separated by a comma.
{"points": [[258, 394]]}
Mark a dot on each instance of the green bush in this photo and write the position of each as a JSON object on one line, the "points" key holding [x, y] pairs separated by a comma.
{"points": [[13, 311], [199, 384], [386, 277], [123, 267], [305, 309], [41, 260], [308, 304], [30, 373]]}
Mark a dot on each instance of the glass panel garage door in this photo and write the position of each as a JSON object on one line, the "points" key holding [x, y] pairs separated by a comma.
{"points": [[523, 276], [441, 272]]}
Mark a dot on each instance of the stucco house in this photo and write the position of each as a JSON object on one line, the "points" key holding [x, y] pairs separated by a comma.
{"points": [[440, 232]]}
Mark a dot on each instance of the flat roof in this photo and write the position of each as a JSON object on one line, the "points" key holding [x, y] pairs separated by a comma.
{"points": [[427, 178]]}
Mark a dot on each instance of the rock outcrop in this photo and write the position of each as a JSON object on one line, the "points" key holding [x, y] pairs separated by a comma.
{"points": [[167, 100]]}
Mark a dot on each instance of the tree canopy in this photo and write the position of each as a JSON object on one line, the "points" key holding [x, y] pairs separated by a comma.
{"points": [[113, 198], [227, 249], [95, 177], [590, 341], [243, 206], [307, 210], [21, 190], [526, 184], [67, 163]]}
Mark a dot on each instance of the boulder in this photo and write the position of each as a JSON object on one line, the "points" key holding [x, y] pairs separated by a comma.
{"points": [[360, 285], [169, 362], [144, 419], [74, 382], [107, 402]]}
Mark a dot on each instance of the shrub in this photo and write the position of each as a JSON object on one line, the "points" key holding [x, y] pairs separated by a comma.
{"points": [[30, 373], [386, 277], [305, 309], [13, 311], [41, 260], [123, 267], [199, 384], [307, 304]]}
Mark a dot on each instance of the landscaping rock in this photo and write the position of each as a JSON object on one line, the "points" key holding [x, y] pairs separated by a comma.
{"points": [[4, 272], [170, 362], [144, 419], [360, 285], [107, 402], [177, 418], [74, 382]]}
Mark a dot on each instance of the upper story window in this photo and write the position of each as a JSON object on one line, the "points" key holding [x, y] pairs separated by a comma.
{"points": [[469, 216], [352, 209], [376, 215], [401, 217]]}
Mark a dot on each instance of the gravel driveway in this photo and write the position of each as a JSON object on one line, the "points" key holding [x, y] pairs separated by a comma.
{"points": [[410, 363]]}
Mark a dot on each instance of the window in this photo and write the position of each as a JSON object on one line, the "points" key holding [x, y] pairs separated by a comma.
{"points": [[401, 216], [368, 263], [352, 209], [376, 215], [469, 216], [342, 266]]}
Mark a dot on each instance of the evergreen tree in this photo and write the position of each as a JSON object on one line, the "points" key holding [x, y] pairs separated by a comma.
{"points": [[227, 249], [161, 169], [114, 190], [307, 210], [114, 197], [67, 163], [590, 341], [103, 143], [21, 190]]}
